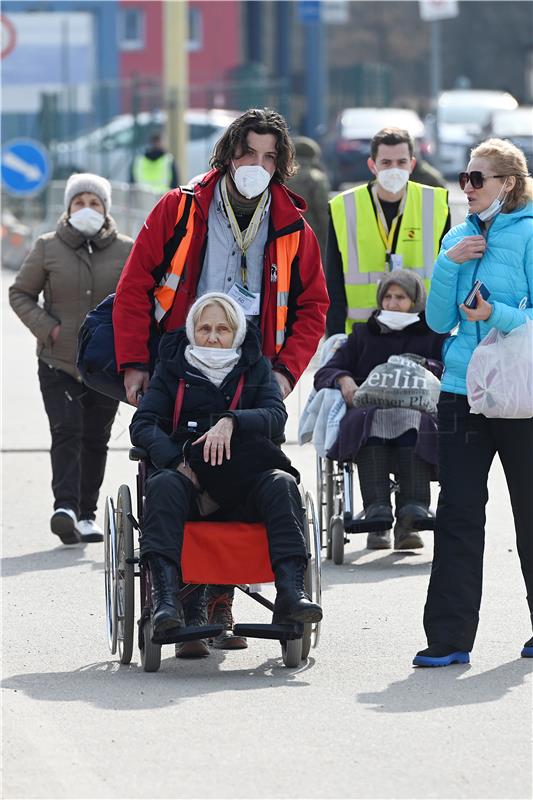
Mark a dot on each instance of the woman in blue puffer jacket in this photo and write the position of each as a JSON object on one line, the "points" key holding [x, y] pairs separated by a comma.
{"points": [[494, 245]]}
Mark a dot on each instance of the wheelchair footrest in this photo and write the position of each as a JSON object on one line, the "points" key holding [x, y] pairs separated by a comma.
{"points": [[187, 634], [279, 631], [366, 526], [424, 524]]}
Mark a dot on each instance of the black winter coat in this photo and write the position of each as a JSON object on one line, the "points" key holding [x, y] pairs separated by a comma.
{"points": [[369, 345], [260, 412]]}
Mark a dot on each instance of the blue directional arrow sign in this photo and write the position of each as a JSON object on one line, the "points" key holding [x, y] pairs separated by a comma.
{"points": [[25, 167]]}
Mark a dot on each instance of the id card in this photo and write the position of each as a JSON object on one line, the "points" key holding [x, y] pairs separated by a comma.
{"points": [[396, 261], [250, 302]]}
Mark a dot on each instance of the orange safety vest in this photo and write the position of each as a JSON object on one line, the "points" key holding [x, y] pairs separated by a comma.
{"points": [[286, 248], [166, 290]]}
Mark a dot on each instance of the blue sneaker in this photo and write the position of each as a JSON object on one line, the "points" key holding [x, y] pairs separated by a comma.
{"points": [[527, 650], [440, 656]]}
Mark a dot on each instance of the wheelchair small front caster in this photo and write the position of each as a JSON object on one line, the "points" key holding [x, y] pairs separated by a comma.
{"points": [[291, 652], [337, 539]]}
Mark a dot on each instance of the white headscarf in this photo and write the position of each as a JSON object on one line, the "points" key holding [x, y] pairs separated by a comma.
{"points": [[214, 362]]}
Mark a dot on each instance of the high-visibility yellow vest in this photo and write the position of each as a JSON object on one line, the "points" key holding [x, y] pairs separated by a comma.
{"points": [[363, 253], [155, 173]]}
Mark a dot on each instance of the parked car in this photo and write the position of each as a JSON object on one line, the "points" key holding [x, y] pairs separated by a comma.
{"points": [[109, 150], [515, 125], [462, 114], [347, 147]]}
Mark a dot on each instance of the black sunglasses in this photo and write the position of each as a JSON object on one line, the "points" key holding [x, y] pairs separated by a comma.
{"points": [[476, 178]]}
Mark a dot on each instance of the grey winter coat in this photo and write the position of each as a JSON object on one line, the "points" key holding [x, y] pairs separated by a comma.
{"points": [[74, 275]]}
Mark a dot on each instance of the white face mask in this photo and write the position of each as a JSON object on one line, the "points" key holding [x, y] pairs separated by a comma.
{"points": [[251, 181], [393, 180], [213, 362], [87, 221], [494, 208], [213, 356], [397, 320]]}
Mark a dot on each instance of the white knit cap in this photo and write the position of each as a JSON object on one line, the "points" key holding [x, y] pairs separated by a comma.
{"points": [[240, 333], [87, 182]]}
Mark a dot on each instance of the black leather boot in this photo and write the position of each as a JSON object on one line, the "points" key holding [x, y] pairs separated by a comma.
{"points": [[195, 612], [167, 611], [292, 602]]}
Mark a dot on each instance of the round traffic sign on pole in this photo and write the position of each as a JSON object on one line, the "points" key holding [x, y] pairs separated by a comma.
{"points": [[9, 36], [25, 167]]}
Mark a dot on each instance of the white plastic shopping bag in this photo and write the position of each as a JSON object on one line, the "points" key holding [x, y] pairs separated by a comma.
{"points": [[499, 378]]}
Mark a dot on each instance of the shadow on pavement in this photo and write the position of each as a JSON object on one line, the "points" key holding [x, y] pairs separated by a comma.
{"points": [[382, 567], [108, 685], [446, 687], [53, 558]]}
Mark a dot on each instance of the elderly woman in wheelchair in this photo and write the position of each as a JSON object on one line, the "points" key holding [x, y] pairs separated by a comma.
{"points": [[211, 422], [384, 429]]}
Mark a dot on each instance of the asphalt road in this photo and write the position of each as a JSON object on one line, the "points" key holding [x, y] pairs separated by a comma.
{"points": [[355, 721]]}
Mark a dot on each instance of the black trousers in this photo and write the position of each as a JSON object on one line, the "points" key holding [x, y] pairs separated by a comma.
{"points": [[80, 425], [274, 499], [467, 446]]}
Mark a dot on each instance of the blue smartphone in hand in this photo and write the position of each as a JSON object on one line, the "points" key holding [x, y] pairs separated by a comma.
{"points": [[470, 300]]}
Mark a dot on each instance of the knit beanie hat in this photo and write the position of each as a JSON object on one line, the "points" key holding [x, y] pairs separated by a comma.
{"points": [[240, 333], [87, 182], [410, 283]]}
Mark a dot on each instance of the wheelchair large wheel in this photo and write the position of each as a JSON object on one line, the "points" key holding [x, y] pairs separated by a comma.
{"points": [[337, 539], [110, 560], [150, 652], [324, 494], [320, 491], [125, 593], [313, 573], [291, 652], [329, 490]]}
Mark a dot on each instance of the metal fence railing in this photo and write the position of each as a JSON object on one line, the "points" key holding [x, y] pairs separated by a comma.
{"points": [[130, 207], [23, 223]]}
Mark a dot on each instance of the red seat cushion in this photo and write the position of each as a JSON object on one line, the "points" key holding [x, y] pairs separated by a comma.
{"points": [[225, 552]]}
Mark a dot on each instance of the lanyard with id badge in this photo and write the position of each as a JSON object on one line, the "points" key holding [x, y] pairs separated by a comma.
{"points": [[394, 260], [250, 302]]}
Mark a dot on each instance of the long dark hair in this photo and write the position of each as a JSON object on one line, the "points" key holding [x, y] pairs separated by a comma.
{"points": [[258, 120]]}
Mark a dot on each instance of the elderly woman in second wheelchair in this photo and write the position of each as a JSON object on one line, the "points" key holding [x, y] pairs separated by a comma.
{"points": [[388, 440], [213, 377]]}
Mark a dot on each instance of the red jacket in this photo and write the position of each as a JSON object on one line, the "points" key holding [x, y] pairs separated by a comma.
{"points": [[153, 251]]}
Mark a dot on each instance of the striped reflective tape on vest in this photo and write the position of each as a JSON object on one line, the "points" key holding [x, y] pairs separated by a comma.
{"points": [[165, 292], [431, 233], [286, 249]]}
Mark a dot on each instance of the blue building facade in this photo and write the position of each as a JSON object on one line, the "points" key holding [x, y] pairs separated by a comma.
{"points": [[61, 77]]}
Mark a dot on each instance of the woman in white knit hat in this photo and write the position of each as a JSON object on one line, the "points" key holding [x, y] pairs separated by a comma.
{"points": [[75, 267]]}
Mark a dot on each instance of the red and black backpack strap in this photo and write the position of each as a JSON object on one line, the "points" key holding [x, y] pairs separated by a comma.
{"points": [[178, 405], [237, 396]]}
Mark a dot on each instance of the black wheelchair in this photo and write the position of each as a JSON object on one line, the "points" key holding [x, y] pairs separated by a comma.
{"points": [[336, 512], [122, 566]]}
